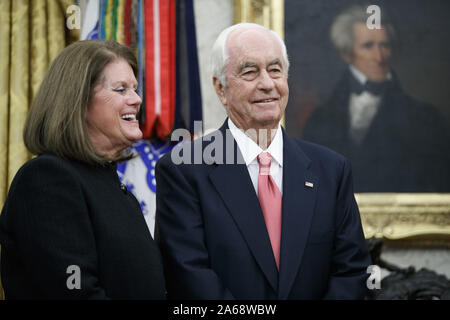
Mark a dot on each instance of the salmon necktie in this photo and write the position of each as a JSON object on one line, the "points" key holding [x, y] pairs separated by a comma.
{"points": [[270, 200]]}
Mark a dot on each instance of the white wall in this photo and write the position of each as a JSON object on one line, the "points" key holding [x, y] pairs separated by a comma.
{"points": [[211, 17]]}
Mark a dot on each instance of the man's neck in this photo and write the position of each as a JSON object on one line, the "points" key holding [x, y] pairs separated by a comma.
{"points": [[262, 136], [361, 77]]}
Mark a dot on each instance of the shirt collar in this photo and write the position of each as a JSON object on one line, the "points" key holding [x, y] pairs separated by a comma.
{"points": [[250, 150], [361, 77]]}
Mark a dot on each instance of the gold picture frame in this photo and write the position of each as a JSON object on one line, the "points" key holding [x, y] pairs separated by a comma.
{"points": [[417, 219]]}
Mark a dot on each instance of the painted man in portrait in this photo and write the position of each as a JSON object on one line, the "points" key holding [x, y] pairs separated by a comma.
{"points": [[395, 142]]}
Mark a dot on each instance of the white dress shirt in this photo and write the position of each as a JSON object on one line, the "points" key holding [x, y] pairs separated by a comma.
{"points": [[250, 150], [362, 108]]}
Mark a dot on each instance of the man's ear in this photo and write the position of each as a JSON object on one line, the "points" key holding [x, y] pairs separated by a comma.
{"points": [[218, 86]]}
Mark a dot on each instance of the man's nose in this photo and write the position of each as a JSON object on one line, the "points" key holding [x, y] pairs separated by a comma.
{"points": [[265, 81], [378, 54]]}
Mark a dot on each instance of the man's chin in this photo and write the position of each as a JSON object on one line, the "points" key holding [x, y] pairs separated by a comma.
{"points": [[377, 76], [271, 121]]}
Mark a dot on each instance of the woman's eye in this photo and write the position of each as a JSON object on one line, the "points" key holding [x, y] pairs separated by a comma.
{"points": [[120, 90]]}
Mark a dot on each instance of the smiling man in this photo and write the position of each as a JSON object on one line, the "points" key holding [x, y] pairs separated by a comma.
{"points": [[395, 142], [282, 223]]}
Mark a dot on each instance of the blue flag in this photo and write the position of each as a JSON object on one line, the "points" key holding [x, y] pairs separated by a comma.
{"points": [[138, 175]]}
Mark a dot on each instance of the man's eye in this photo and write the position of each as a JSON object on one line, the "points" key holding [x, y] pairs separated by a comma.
{"points": [[120, 90]]}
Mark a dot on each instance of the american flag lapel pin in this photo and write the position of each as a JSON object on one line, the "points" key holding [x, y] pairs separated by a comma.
{"points": [[309, 184]]}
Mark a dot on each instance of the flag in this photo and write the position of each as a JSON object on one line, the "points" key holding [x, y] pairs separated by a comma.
{"points": [[128, 24], [162, 34], [188, 92], [90, 26], [102, 20], [139, 15], [138, 175], [159, 105]]}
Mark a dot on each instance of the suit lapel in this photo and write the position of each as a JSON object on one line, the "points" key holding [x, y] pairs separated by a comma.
{"points": [[234, 185], [298, 209]]}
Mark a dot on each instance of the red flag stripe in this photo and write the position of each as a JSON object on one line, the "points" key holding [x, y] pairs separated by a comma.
{"points": [[150, 116], [167, 70], [160, 67], [128, 23]]}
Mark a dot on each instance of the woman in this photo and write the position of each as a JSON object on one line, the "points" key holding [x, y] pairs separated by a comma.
{"points": [[69, 229]]}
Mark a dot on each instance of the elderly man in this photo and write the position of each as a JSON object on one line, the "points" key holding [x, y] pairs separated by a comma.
{"points": [[395, 143], [281, 221]]}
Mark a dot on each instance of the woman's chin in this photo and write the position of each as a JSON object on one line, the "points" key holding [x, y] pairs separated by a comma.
{"points": [[134, 135]]}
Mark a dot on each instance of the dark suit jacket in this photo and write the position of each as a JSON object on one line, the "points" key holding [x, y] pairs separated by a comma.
{"points": [[406, 148], [61, 213], [215, 244]]}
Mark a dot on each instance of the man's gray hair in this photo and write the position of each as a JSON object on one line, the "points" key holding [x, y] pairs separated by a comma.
{"points": [[219, 56], [341, 32]]}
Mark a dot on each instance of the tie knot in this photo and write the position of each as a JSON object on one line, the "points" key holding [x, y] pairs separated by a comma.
{"points": [[375, 88], [264, 159]]}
